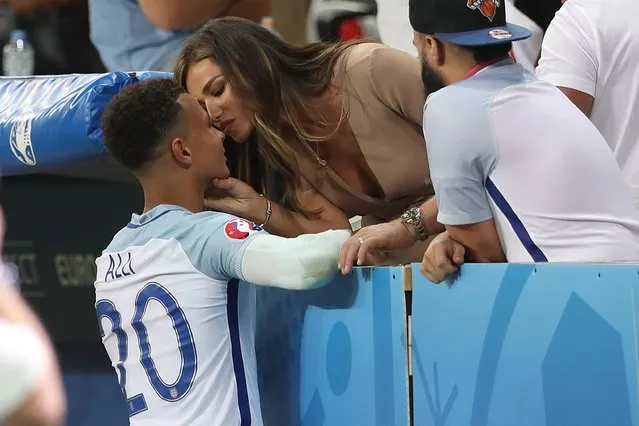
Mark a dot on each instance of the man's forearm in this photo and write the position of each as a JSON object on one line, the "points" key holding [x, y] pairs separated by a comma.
{"points": [[429, 217]]}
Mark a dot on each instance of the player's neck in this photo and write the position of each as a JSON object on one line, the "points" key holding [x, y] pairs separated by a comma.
{"points": [[183, 192]]}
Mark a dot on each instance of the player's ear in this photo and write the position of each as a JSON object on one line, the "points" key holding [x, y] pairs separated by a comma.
{"points": [[181, 152]]}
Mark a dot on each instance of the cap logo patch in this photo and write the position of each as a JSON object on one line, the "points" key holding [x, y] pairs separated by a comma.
{"points": [[488, 8], [500, 34]]}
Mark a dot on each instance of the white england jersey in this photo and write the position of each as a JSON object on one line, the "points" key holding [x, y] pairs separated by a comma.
{"points": [[177, 320], [504, 145]]}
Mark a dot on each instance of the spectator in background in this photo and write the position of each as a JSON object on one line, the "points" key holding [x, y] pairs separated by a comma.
{"points": [[520, 174], [58, 31], [345, 137], [31, 392], [148, 34], [591, 52]]}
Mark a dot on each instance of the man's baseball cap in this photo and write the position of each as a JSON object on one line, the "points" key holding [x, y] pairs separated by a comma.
{"points": [[465, 22]]}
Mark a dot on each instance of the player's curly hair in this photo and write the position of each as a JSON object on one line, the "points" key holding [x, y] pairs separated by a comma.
{"points": [[138, 119]]}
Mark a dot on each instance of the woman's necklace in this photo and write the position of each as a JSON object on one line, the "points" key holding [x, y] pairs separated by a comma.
{"points": [[317, 157], [315, 152]]}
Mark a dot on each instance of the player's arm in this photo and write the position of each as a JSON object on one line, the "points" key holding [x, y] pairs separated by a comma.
{"points": [[237, 248], [301, 263], [31, 393], [460, 161], [568, 59]]}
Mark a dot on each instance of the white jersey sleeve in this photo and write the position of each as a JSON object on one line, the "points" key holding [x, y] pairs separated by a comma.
{"points": [[218, 246], [236, 248], [568, 54], [231, 247]]}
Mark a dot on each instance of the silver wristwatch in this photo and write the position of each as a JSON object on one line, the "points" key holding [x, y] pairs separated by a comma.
{"points": [[413, 217]]}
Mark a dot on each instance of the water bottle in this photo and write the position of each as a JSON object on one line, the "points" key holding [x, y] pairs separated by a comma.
{"points": [[18, 55]]}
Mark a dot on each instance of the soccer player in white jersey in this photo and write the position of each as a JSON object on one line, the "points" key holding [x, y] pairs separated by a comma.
{"points": [[175, 310], [520, 174]]}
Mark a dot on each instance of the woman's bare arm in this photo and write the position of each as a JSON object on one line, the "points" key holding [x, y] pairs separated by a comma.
{"points": [[286, 223]]}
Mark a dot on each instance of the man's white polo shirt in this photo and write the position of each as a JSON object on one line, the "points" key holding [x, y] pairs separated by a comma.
{"points": [[507, 146]]}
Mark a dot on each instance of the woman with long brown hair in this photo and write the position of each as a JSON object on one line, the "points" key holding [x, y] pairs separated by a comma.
{"points": [[340, 124]]}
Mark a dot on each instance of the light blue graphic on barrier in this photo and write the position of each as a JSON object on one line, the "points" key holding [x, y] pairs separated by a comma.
{"points": [[527, 345], [53, 121], [342, 348]]}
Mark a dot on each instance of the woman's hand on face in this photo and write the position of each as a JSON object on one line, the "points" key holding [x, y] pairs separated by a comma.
{"points": [[231, 196]]}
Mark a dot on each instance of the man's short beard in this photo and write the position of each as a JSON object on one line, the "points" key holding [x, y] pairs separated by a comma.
{"points": [[431, 79]]}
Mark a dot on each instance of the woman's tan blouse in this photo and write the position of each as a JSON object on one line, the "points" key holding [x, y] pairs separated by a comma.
{"points": [[382, 91]]}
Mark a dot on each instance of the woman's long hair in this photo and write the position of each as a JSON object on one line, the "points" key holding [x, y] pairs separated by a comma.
{"points": [[277, 81]]}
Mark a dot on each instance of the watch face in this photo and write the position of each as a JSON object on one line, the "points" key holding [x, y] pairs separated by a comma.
{"points": [[409, 215]]}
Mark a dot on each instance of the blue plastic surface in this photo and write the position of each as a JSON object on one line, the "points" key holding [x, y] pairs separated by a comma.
{"points": [[506, 345], [527, 345], [336, 355], [54, 121]]}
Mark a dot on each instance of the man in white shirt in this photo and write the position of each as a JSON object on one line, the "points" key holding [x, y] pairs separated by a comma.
{"points": [[520, 174], [591, 52], [175, 309]]}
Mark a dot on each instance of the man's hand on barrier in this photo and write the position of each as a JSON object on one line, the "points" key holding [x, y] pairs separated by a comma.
{"points": [[386, 236], [442, 258]]}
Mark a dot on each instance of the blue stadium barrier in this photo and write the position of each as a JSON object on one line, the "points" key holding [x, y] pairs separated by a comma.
{"points": [[527, 345], [336, 355], [504, 345], [94, 399]]}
